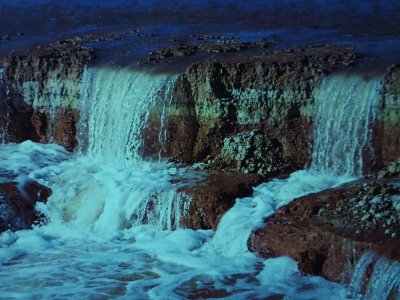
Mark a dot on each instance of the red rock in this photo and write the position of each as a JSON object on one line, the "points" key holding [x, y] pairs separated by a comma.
{"points": [[65, 128], [328, 231], [215, 195]]}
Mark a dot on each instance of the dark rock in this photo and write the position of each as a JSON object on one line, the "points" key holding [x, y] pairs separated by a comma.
{"points": [[215, 195], [65, 127], [18, 204], [328, 231]]}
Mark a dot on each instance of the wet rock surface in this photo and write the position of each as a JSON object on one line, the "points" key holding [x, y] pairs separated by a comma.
{"points": [[252, 116], [17, 204], [32, 107], [215, 195], [328, 231], [210, 44], [386, 131], [391, 171]]}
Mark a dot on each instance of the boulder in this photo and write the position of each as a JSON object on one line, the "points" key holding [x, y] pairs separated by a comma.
{"points": [[327, 232], [17, 204], [214, 195]]}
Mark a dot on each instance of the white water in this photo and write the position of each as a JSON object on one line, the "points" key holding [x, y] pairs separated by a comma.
{"points": [[115, 108], [108, 207], [346, 105], [383, 279], [91, 248]]}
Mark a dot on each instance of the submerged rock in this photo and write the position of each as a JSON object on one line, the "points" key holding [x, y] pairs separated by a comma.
{"points": [[17, 204], [327, 232]]}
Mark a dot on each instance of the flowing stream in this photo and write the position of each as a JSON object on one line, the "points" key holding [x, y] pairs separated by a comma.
{"points": [[113, 218]]}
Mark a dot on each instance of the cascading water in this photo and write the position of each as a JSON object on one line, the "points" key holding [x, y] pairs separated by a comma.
{"points": [[346, 105], [382, 281], [115, 108], [118, 188], [98, 240]]}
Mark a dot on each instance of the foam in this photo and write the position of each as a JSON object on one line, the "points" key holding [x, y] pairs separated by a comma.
{"points": [[89, 247]]}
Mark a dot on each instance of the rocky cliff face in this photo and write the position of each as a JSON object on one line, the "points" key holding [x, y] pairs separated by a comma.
{"points": [[387, 133], [39, 93], [252, 116]]}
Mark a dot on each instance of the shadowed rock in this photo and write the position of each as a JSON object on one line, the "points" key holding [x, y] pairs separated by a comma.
{"points": [[18, 204]]}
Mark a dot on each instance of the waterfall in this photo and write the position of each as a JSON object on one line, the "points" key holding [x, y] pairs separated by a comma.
{"points": [[346, 107], [163, 215], [114, 187], [115, 107], [380, 283], [110, 207], [358, 276]]}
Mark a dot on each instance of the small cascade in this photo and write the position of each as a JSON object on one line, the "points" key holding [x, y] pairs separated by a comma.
{"points": [[115, 108], [346, 107], [162, 210], [359, 272], [377, 278], [2, 76], [4, 130]]}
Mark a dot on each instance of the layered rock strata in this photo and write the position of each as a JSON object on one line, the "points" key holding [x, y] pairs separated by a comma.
{"points": [[387, 130], [253, 115], [39, 90]]}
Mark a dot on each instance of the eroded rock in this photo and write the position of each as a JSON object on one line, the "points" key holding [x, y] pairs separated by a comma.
{"points": [[39, 93], [213, 196], [252, 116], [328, 231]]}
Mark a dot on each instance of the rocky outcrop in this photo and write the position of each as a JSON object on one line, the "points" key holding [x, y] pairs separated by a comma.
{"points": [[39, 93], [253, 115], [387, 129], [327, 232], [17, 204], [243, 114], [215, 195]]}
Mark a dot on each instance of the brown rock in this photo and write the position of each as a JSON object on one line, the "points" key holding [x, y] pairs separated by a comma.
{"points": [[63, 61], [215, 195], [328, 231], [65, 128], [386, 131], [18, 204]]}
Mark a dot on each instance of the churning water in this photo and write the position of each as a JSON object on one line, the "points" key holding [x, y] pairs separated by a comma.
{"points": [[113, 218]]}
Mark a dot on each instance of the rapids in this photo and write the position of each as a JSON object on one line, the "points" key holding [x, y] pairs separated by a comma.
{"points": [[112, 226]]}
